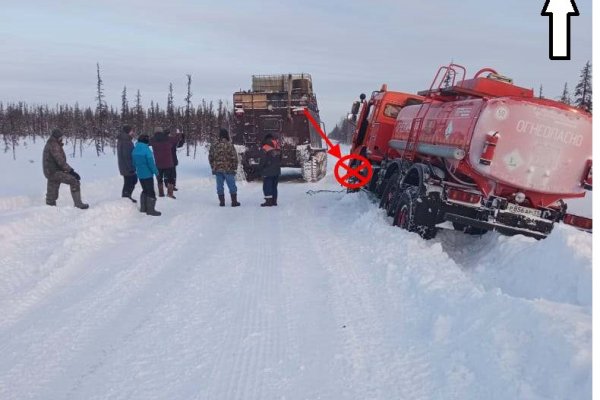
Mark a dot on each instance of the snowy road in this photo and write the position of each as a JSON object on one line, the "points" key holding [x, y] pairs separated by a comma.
{"points": [[319, 298]]}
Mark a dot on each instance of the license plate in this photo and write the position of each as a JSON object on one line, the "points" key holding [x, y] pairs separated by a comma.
{"points": [[513, 208]]}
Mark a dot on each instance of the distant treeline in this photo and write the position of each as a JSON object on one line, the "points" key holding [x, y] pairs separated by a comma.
{"points": [[581, 97], [101, 124]]}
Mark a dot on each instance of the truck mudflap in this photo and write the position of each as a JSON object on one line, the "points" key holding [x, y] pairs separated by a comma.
{"points": [[544, 228]]}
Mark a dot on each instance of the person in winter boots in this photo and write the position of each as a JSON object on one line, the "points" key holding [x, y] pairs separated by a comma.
{"points": [[162, 146], [124, 149], [270, 167], [145, 168], [224, 162], [175, 160], [57, 171]]}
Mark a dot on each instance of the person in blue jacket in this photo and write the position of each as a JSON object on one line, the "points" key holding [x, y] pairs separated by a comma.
{"points": [[145, 168]]}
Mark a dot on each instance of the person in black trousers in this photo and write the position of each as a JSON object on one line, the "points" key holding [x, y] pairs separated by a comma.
{"points": [[270, 167], [176, 161], [126, 168]]}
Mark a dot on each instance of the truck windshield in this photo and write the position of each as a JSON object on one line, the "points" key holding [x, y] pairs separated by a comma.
{"points": [[272, 124], [392, 110]]}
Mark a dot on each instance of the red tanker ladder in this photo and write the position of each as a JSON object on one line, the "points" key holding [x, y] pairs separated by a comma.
{"points": [[451, 71], [416, 128]]}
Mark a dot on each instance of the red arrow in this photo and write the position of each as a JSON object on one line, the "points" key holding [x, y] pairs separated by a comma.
{"points": [[334, 150]]}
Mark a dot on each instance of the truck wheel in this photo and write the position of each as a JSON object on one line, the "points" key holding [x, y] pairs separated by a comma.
{"points": [[372, 186], [388, 193], [406, 214]]}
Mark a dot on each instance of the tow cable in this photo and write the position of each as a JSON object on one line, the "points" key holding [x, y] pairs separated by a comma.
{"points": [[313, 192]]}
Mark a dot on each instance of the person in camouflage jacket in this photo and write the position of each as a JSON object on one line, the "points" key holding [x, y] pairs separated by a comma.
{"points": [[223, 161], [57, 171]]}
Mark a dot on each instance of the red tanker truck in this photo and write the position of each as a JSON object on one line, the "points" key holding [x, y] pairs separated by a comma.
{"points": [[476, 154]]}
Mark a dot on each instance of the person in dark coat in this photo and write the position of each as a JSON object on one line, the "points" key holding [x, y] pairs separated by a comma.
{"points": [[223, 161], [162, 146], [57, 171], [126, 168], [145, 168], [178, 145], [270, 168]]}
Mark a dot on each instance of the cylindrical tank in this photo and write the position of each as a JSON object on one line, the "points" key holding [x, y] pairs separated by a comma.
{"points": [[542, 146]]}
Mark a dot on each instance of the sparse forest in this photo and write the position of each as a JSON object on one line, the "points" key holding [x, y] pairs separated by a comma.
{"points": [[581, 98], [100, 125]]}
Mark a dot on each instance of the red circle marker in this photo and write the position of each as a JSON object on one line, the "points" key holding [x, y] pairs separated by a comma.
{"points": [[355, 172]]}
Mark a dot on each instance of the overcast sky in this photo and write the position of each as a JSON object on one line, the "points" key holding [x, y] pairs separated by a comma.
{"points": [[49, 49]]}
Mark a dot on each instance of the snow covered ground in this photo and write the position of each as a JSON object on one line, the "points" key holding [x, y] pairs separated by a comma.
{"points": [[319, 298]]}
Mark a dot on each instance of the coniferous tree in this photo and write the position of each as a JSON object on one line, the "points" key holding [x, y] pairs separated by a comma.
{"points": [[583, 90], [100, 113], [188, 113], [139, 113], [170, 107], [124, 105], [565, 97]]}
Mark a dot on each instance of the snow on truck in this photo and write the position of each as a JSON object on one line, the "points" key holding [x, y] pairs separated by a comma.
{"points": [[275, 106], [475, 154]]}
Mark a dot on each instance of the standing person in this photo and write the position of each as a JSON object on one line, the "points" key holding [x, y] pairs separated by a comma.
{"points": [[270, 167], [126, 168], [145, 167], [223, 161], [176, 146], [162, 146], [57, 171]]}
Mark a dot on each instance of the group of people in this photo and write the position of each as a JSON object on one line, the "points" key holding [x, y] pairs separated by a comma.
{"points": [[139, 162]]}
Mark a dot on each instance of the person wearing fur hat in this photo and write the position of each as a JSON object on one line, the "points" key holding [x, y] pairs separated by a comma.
{"points": [[57, 171], [145, 168], [223, 161]]}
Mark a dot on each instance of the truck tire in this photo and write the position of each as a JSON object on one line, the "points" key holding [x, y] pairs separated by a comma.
{"points": [[406, 216], [372, 186], [388, 193], [315, 168]]}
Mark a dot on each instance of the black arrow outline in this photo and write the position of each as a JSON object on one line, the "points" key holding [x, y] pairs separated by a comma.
{"points": [[551, 38]]}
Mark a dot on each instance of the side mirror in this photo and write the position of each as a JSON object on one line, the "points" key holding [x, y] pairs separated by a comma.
{"points": [[355, 108]]}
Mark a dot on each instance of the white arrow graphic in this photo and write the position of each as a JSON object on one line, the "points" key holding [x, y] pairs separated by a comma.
{"points": [[560, 13]]}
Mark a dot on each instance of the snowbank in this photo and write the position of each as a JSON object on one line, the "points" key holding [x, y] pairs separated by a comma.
{"points": [[318, 298]]}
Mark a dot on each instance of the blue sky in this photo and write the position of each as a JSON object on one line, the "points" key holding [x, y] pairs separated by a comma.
{"points": [[49, 49]]}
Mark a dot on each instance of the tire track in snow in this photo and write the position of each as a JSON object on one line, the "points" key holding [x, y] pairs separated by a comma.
{"points": [[87, 233], [94, 313], [376, 368], [255, 343]]}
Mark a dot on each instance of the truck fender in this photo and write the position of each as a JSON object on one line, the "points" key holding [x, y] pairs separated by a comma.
{"points": [[393, 167], [416, 175]]}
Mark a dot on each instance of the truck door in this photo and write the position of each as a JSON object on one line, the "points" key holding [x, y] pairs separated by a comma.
{"points": [[270, 124], [363, 125]]}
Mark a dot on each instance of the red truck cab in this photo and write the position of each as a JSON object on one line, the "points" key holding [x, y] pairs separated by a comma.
{"points": [[375, 120]]}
